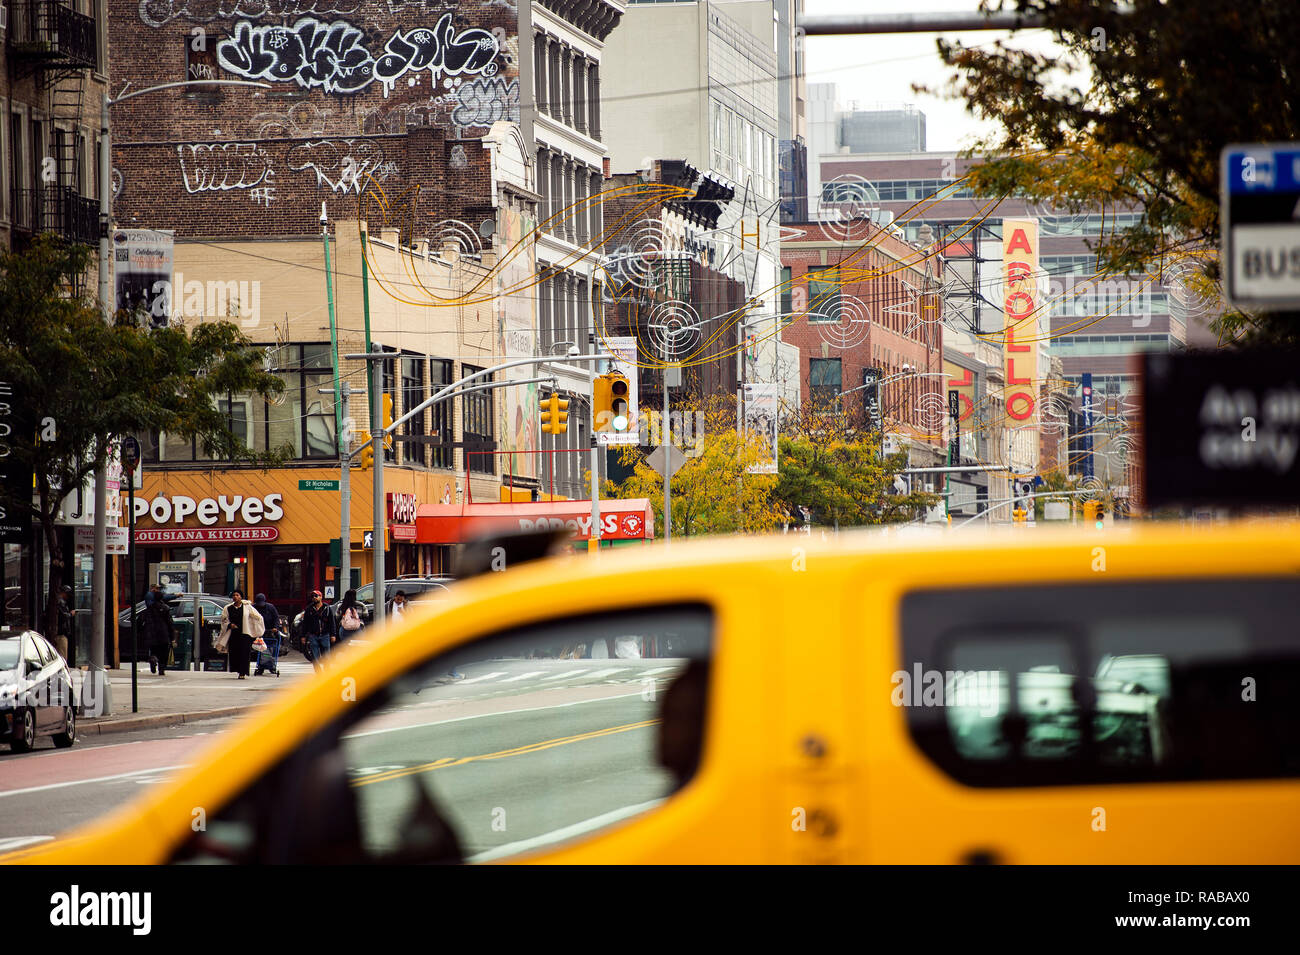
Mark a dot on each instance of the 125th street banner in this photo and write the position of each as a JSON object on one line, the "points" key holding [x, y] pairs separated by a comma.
{"points": [[142, 271]]}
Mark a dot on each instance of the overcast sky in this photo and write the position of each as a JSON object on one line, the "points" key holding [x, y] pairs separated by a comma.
{"points": [[881, 68]]}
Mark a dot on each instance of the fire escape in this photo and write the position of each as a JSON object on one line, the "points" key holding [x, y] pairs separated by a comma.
{"points": [[56, 46]]}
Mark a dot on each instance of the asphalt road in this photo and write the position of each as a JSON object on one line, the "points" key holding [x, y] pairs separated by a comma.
{"points": [[517, 754]]}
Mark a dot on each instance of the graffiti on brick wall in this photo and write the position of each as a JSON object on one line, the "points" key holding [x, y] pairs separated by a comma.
{"points": [[334, 56], [158, 13], [482, 102], [220, 167], [300, 121], [343, 166]]}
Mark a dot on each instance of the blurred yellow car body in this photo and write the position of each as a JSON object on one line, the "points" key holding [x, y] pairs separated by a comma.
{"points": [[807, 756]]}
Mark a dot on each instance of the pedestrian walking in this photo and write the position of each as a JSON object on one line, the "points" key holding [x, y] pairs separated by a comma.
{"points": [[398, 605], [151, 596], [159, 634], [240, 625], [274, 636], [317, 629], [349, 616], [62, 639]]}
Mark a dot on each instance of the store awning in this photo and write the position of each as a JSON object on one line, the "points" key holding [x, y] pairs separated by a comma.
{"points": [[457, 523]]}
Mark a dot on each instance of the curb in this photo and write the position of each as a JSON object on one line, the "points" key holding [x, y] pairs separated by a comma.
{"points": [[161, 719]]}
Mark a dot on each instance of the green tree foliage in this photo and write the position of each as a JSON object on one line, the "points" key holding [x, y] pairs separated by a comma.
{"points": [[844, 481], [82, 383], [1134, 115]]}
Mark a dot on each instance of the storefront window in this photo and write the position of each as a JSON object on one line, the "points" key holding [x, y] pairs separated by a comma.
{"points": [[412, 395], [478, 428], [440, 376]]}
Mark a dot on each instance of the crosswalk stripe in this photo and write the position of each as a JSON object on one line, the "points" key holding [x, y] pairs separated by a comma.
{"points": [[562, 676], [606, 672], [657, 670], [522, 676], [485, 676]]}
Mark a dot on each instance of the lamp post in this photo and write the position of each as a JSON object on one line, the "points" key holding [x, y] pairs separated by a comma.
{"points": [[98, 678]]}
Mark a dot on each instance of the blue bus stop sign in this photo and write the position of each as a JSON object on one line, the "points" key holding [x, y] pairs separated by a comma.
{"points": [[1260, 219]]}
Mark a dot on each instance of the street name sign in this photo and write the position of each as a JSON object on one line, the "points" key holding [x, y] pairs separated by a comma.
{"points": [[1221, 428], [1260, 217], [317, 484]]}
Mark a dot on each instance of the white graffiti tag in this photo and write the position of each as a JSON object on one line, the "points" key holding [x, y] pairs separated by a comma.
{"points": [[344, 166], [486, 101], [216, 167], [334, 55]]}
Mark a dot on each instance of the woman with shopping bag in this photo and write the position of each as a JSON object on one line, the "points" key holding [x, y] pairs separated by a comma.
{"points": [[241, 624]]}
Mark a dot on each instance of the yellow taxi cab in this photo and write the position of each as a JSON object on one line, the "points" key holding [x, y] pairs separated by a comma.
{"points": [[1129, 695]]}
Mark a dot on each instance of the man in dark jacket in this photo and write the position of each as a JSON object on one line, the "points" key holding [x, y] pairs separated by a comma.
{"points": [[318, 629], [63, 638], [272, 618], [159, 633]]}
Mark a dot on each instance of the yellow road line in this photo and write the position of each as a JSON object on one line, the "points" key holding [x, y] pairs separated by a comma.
{"points": [[447, 761]]}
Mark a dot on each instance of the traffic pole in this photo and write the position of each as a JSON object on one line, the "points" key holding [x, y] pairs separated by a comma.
{"points": [[345, 497], [377, 441]]}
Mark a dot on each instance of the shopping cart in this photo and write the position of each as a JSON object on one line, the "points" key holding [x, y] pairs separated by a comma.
{"points": [[268, 660]]}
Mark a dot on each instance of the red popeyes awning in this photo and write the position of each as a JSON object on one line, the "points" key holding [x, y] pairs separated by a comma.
{"points": [[456, 523]]}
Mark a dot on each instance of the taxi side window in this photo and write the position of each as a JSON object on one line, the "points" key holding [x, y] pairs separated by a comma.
{"points": [[517, 742], [1054, 685]]}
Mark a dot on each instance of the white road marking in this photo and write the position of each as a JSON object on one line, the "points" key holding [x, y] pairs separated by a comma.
{"points": [[657, 670], [563, 676], [606, 672], [556, 835], [479, 716], [17, 842], [522, 676], [485, 676], [97, 779]]}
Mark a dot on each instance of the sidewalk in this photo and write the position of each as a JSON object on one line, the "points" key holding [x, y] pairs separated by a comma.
{"points": [[185, 696]]}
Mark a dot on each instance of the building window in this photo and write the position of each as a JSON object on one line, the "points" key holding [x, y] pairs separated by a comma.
{"points": [[412, 395], [539, 72], [787, 291], [553, 76], [440, 376], [825, 381], [593, 99], [478, 428], [824, 296], [593, 210], [580, 93]]}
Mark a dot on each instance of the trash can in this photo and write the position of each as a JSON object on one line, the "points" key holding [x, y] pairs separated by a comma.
{"points": [[184, 651]]}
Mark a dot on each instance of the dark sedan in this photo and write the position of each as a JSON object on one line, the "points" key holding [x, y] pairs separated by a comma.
{"points": [[182, 608], [36, 694]]}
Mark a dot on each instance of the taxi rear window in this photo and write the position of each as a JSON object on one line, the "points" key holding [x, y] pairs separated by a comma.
{"points": [[1124, 682]]}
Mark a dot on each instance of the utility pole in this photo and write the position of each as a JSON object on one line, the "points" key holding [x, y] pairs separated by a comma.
{"points": [[345, 496], [380, 518]]}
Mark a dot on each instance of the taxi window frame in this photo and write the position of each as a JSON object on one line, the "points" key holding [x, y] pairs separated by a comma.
{"points": [[291, 767]]}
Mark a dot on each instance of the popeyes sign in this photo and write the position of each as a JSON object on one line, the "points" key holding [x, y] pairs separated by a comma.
{"points": [[234, 508], [1023, 305]]}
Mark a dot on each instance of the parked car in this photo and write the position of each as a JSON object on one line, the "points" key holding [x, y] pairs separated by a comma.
{"points": [[416, 588], [182, 608], [36, 696]]}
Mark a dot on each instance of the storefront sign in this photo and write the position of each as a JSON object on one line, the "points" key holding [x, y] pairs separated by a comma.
{"points": [[402, 532], [175, 509], [402, 508], [207, 535], [620, 520], [1023, 307]]}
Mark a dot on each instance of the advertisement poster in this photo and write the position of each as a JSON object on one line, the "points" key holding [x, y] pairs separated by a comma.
{"points": [[142, 273], [761, 406]]}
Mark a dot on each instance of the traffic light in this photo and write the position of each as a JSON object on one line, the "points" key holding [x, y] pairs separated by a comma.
{"points": [[555, 415], [1020, 514], [388, 420], [1100, 517], [1090, 509], [367, 456], [610, 398]]}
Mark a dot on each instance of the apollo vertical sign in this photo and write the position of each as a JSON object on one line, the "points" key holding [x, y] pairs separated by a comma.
{"points": [[1260, 211], [1022, 303]]}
